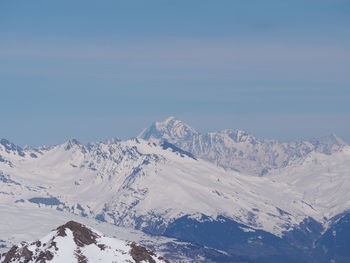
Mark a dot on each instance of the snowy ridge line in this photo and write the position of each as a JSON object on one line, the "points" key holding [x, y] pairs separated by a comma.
{"points": [[237, 149], [143, 184]]}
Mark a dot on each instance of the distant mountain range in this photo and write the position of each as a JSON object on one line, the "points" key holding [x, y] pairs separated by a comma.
{"points": [[233, 197], [237, 149]]}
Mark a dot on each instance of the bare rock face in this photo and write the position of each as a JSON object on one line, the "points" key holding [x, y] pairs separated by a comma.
{"points": [[24, 254], [74, 242], [141, 254], [83, 236]]}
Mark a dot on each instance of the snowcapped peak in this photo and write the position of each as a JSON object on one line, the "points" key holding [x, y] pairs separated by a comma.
{"points": [[10, 147], [170, 129], [238, 135], [74, 242], [82, 234], [171, 122], [71, 143], [170, 119]]}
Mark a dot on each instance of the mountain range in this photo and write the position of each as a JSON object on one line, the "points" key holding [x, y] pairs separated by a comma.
{"points": [[237, 149], [231, 196]]}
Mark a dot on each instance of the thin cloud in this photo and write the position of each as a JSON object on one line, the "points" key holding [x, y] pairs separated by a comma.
{"points": [[191, 58]]}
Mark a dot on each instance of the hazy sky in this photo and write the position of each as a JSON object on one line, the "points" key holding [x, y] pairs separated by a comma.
{"points": [[99, 69]]}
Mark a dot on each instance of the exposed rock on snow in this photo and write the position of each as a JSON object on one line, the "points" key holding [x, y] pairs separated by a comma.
{"points": [[74, 242]]}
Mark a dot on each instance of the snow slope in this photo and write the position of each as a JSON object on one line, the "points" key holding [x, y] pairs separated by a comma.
{"points": [[322, 181]]}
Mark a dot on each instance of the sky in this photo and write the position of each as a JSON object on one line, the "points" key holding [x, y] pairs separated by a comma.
{"points": [[94, 70]]}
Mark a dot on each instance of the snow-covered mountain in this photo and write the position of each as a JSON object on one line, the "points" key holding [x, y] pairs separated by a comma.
{"points": [[147, 186], [74, 242], [159, 188], [139, 184], [237, 149]]}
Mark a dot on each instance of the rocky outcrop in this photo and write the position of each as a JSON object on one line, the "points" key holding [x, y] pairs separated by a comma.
{"points": [[74, 242]]}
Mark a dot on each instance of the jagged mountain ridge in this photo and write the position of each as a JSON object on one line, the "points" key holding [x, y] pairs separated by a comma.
{"points": [[237, 149], [147, 186], [74, 242], [162, 189], [136, 181]]}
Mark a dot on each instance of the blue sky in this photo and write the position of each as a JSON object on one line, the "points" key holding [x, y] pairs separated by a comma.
{"points": [[99, 69]]}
